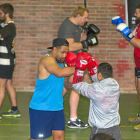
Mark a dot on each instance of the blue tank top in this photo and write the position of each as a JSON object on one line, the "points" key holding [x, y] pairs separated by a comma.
{"points": [[48, 93]]}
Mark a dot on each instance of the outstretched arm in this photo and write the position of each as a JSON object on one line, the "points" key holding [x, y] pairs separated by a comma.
{"points": [[87, 90], [123, 28], [50, 65]]}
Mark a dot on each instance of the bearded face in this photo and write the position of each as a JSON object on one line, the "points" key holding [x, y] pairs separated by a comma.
{"points": [[137, 20], [61, 53], [137, 15], [3, 19], [2, 16]]}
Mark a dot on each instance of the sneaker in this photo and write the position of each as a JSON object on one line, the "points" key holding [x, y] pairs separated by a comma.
{"points": [[77, 124], [11, 113], [134, 120], [137, 127]]}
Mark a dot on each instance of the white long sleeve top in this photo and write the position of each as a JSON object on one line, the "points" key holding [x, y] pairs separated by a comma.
{"points": [[104, 101]]}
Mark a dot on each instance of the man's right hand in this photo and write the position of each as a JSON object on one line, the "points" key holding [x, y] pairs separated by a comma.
{"points": [[90, 41], [82, 61]]}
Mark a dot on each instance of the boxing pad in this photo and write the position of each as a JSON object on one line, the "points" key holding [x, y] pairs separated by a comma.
{"points": [[90, 41], [71, 59], [93, 29]]}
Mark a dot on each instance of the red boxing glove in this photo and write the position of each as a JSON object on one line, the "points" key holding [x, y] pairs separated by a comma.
{"points": [[82, 61], [93, 66], [71, 59]]}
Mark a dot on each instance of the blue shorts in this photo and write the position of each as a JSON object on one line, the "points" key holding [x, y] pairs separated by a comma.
{"points": [[43, 122]]}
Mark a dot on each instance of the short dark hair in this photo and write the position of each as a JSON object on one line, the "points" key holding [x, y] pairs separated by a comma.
{"points": [[105, 69], [138, 6], [102, 136], [7, 8]]}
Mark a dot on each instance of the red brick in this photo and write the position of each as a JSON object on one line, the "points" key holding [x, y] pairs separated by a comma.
{"points": [[37, 23]]}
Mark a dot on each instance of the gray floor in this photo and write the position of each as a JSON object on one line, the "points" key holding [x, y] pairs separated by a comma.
{"points": [[18, 128]]}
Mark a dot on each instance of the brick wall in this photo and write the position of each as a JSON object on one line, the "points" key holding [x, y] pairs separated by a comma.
{"points": [[37, 23]]}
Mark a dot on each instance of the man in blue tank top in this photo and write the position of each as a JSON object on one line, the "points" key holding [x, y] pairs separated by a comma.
{"points": [[46, 106]]}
